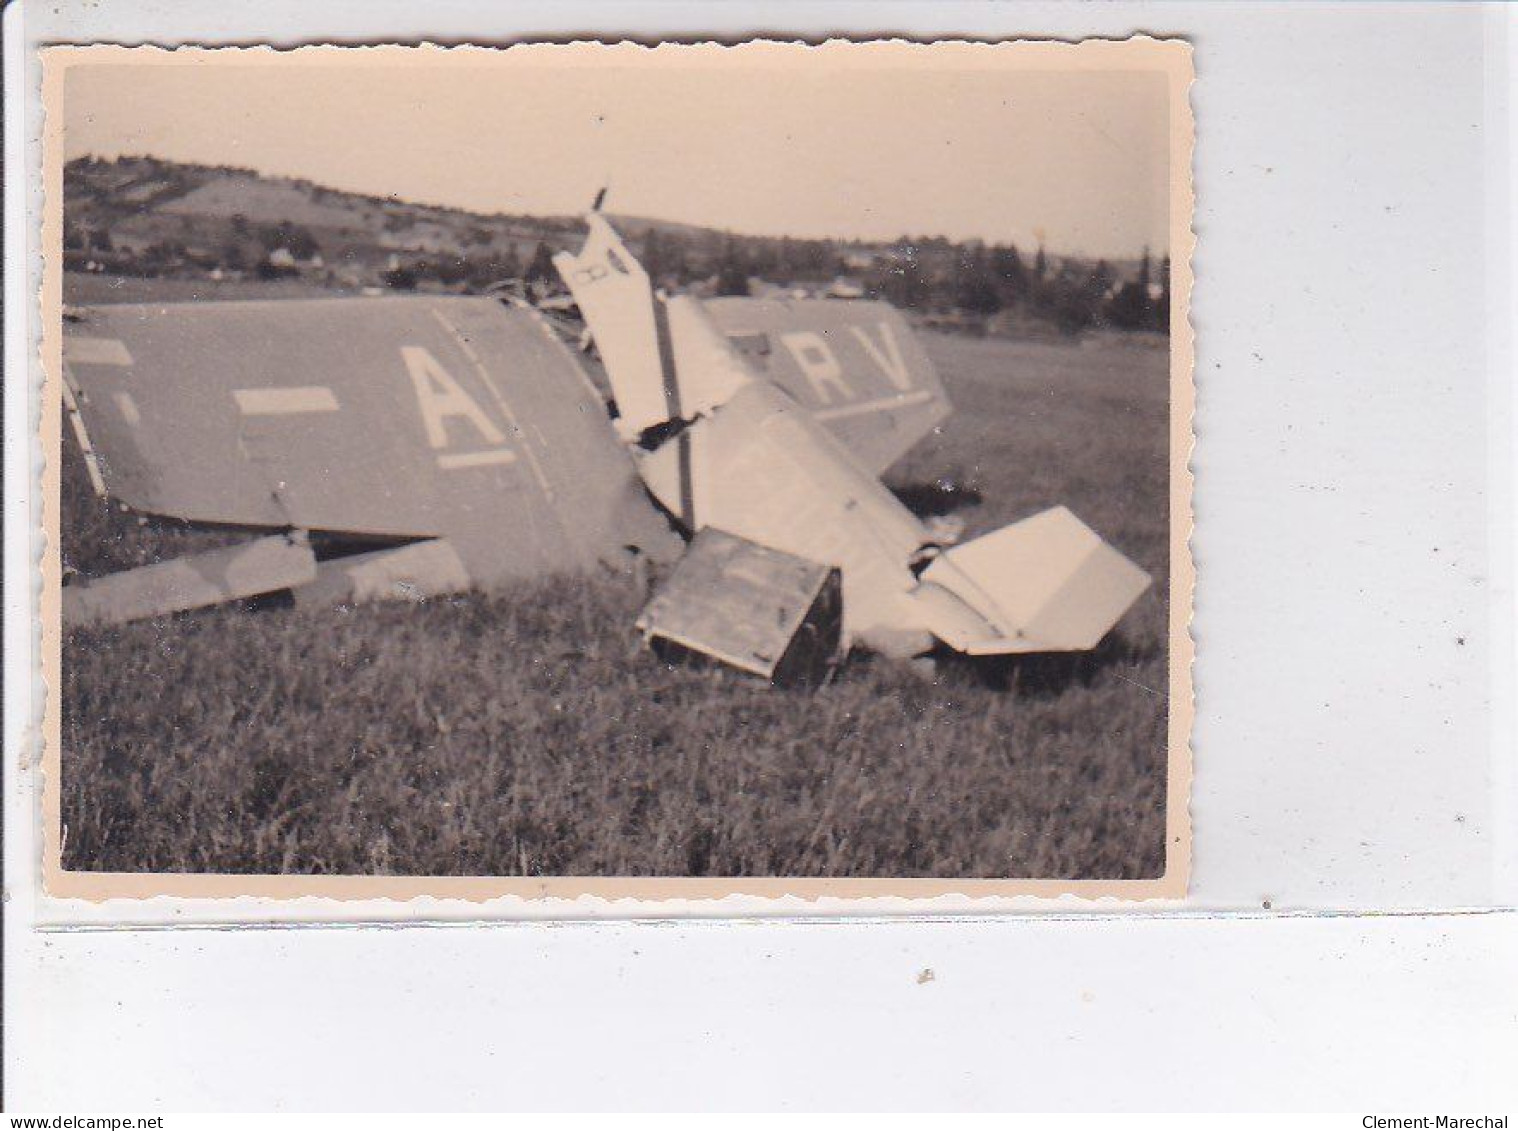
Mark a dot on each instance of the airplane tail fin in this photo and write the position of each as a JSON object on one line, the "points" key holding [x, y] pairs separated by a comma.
{"points": [[667, 361], [617, 299], [1045, 584]]}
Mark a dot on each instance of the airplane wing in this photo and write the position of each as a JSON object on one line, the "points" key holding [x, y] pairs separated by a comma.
{"points": [[856, 365], [400, 417]]}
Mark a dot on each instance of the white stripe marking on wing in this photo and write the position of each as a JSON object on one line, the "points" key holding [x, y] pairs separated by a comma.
{"points": [[883, 404], [456, 460], [291, 400]]}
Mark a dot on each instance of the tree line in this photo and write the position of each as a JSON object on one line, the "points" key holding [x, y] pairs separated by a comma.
{"points": [[970, 282]]}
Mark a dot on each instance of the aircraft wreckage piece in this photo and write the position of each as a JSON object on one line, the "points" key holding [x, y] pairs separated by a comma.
{"points": [[463, 427], [412, 572], [721, 446], [855, 365], [762, 611], [374, 418], [1045, 584], [251, 569]]}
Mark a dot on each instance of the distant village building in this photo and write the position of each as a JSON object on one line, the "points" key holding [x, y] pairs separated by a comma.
{"points": [[131, 243], [763, 288], [844, 289]]}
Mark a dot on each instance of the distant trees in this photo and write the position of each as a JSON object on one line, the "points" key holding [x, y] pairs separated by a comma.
{"points": [[1130, 308], [1011, 275], [293, 239], [1069, 302], [509, 266], [400, 278], [732, 271], [979, 282], [1100, 281], [975, 287], [450, 270], [906, 284], [663, 255], [165, 251], [1136, 307], [1162, 308], [298, 241], [654, 256], [541, 268]]}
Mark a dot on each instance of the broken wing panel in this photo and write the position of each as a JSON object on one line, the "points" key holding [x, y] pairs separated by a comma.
{"points": [[1045, 584], [249, 570], [405, 416], [248, 412], [856, 366]]}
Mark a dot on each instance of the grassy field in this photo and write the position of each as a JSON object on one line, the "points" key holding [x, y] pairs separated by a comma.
{"points": [[530, 733]]}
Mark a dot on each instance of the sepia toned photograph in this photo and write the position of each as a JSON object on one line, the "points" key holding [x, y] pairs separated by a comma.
{"points": [[581, 469]]}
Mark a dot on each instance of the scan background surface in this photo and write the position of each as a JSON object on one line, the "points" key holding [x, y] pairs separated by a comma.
{"points": [[1330, 299]]}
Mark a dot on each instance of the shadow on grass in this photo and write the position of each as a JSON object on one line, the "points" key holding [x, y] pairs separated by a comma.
{"points": [[1040, 673], [936, 497], [1045, 675]]}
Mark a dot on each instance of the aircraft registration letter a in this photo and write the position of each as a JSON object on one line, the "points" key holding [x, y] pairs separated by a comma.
{"points": [[439, 397]]}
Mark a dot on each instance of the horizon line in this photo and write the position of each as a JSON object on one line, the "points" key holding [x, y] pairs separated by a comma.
{"points": [[1154, 253]]}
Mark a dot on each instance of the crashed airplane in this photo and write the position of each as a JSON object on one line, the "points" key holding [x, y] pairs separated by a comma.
{"points": [[415, 445]]}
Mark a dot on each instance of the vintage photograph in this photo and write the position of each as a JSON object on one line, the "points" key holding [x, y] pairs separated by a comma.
{"points": [[572, 464]]}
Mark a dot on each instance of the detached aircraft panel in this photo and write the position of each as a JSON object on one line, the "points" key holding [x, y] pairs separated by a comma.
{"points": [[249, 570], [765, 471], [856, 366], [405, 417], [1045, 584]]}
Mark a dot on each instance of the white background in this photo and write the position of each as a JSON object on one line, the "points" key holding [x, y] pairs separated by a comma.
{"points": [[1354, 731]]}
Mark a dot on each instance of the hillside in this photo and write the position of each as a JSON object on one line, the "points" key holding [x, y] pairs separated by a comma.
{"points": [[144, 216], [147, 217]]}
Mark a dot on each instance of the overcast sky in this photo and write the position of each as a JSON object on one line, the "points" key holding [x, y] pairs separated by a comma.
{"points": [[1077, 157]]}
